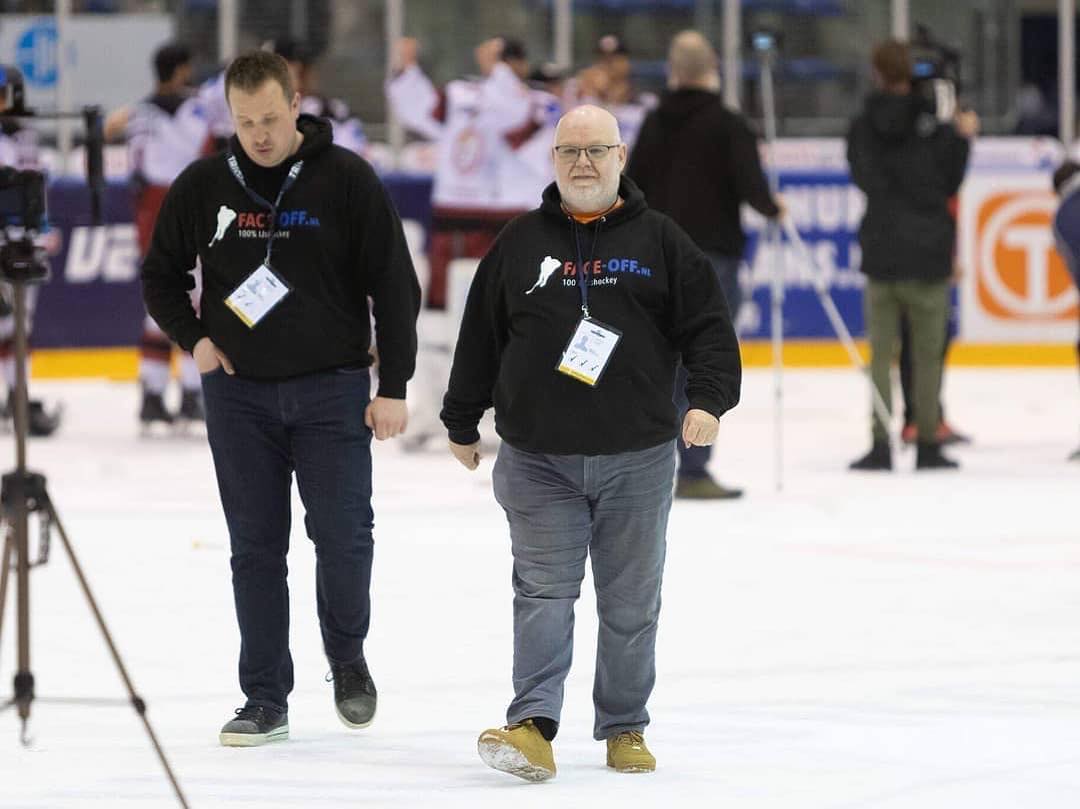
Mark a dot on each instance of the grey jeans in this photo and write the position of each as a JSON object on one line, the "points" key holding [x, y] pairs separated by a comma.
{"points": [[561, 508]]}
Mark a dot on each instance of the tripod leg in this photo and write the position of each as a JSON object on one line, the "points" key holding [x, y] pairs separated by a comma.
{"points": [[136, 700], [6, 562]]}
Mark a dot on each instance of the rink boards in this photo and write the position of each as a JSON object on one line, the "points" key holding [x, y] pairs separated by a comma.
{"points": [[1015, 302]]}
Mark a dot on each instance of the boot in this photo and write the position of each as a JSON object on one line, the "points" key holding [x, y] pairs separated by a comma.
{"points": [[929, 457], [704, 488], [626, 752], [878, 459], [519, 749]]}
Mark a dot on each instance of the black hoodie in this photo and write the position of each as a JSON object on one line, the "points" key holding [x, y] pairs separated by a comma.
{"points": [[697, 161], [647, 279], [909, 165], [339, 241]]}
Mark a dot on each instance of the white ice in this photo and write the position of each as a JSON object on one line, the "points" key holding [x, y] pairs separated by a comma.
{"points": [[854, 642]]}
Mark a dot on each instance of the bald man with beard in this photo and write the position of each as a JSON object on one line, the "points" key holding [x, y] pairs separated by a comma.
{"points": [[580, 370], [697, 161]]}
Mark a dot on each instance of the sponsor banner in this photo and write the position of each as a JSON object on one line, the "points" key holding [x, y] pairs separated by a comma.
{"points": [[93, 296], [109, 56], [1015, 287]]}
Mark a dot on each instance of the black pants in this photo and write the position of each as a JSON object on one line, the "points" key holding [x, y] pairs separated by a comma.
{"points": [[259, 433]]}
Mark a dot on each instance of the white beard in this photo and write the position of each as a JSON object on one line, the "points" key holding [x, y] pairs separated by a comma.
{"points": [[596, 198]]}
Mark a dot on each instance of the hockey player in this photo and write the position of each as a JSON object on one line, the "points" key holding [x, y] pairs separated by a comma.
{"points": [[165, 132], [478, 123]]}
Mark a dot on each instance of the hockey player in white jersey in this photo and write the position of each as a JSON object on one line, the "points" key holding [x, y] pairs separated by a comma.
{"points": [[165, 133], [478, 123]]}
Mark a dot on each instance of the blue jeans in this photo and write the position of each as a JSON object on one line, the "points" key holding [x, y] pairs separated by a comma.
{"points": [[694, 460], [259, 433], [561, 509]]}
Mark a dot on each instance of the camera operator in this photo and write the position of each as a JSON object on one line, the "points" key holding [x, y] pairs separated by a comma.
{"points": [[19, 149], [909, 163]]}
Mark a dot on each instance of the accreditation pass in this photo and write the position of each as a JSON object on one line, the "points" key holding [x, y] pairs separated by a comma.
{"points": [[587, 354], [257, 294]]}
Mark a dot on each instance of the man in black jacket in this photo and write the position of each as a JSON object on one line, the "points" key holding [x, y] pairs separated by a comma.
{"points": [[697, 161], [575, 322], [909, 164], [294, 235]]}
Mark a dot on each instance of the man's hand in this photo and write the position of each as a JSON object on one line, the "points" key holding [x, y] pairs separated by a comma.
{"points": [[699, 428], [208, 357], [467, 454], [386, 417], [967, 123]]}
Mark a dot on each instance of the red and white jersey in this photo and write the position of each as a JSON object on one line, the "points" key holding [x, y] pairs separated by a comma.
{"points": [[475, 125], [529, 170], [165, 134]]}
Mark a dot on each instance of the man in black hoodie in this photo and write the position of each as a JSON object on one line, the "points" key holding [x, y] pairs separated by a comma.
{"points": [[909, 164], [294, 235], [575, 322], [697, 161]]}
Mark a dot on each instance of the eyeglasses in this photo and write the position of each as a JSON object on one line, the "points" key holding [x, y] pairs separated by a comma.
{"points": [[595, 152]]}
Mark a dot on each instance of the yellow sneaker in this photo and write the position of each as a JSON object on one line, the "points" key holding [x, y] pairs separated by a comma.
{"points": [[627, 752], [518, 749]]}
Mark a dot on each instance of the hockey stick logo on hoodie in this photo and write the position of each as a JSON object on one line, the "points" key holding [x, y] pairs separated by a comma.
{"points": [[547, 268], [225, 217]]}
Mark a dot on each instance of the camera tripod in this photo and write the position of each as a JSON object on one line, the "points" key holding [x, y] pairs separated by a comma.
{"points": [[765, 45], [23, 493]]}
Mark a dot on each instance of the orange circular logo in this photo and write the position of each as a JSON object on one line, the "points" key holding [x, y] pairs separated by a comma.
{"points": [[1019, 274]]}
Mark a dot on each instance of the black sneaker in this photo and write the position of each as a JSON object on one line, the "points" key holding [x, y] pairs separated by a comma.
{"points": [[153, 409], [354, 693], [929, 457], [878, 459], [191, 406], [255, 725]]}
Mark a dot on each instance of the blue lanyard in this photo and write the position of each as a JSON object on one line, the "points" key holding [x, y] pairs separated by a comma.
{"points": [[583, 281], [294, 172]]}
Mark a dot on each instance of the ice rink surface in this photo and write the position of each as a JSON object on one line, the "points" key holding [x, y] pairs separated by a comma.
{"points": [[855, 642]]}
